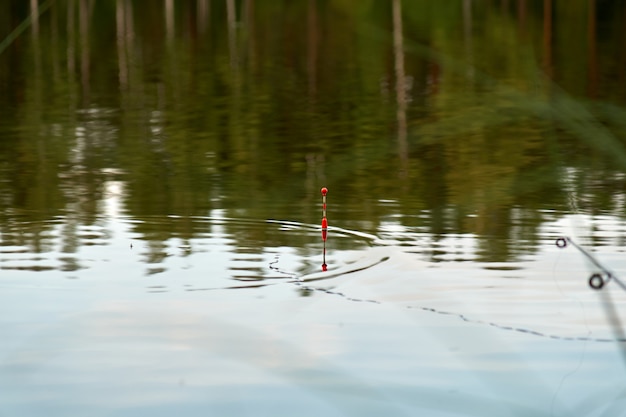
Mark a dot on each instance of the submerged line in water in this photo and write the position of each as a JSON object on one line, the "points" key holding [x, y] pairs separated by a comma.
{"points": [[517, 329], [467, 319], [464, 317], [461, 316], [562, 242], [275, 268], [337, 293], [581, 358]]}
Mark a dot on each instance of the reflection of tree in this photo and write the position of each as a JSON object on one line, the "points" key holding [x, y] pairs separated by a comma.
{"points": [[547, 38], [401, 83], [201, 109], [592, 42]]}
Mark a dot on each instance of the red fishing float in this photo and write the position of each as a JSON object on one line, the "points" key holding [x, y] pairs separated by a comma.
{"points": [[324, 221], [324, 225]]}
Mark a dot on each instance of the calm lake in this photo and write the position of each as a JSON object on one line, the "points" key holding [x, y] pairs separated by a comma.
{"points": [[161, 249]]}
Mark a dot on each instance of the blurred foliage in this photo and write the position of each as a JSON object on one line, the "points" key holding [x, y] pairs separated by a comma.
{"points": [[194, 111]]}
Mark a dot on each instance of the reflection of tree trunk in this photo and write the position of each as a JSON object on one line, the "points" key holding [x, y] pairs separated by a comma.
{"points": [[122, 62], [203, 15], [248, 10], [522, 16], [34, 6], [467, 29], [504, 5], [170, 85], [130, 29], [592, 55], [84, 48], [547, 37], [315, 161], [34, 10], [236, 132], [36, 115], [71, 39], [54, 36], [232, 31], [622, 62], [400, 85], [312, 47], [169, 20], [467, 22]]}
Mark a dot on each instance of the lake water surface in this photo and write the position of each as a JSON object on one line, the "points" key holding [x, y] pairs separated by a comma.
{"points": [[160, 242]]}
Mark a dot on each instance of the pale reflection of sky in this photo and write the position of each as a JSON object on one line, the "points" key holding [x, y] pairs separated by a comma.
{"points": [[384, 332], [114, 193]]}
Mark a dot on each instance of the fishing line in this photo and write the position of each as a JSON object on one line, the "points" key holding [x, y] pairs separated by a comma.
{"points": [[273, 266], [297, 280], [580, 303], [597, 280], [583, 352]]}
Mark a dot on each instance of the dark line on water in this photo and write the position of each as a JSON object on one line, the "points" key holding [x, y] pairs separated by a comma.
{"points": [[516, 329], [449, 313]]}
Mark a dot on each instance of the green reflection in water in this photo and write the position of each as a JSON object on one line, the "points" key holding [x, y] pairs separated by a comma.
{"points": [[494, 116]]}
